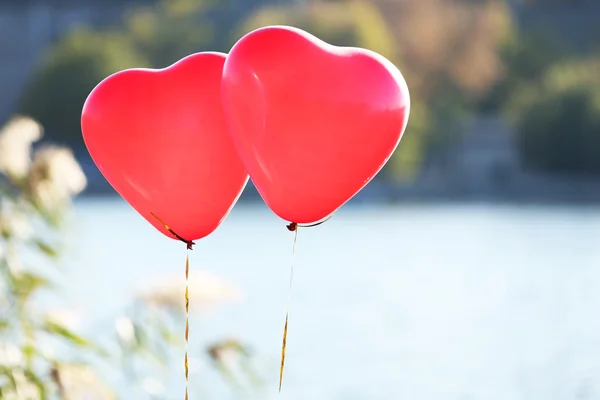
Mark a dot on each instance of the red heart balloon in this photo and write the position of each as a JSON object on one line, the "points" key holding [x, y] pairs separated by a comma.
{"points": [[312, 122], [160, 139]]}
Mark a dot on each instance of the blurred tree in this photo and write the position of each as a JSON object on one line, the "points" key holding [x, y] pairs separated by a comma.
{"points": [[408, 158], [154, 36], [526, 55], [455, 56], [170, 31], [442, 43], [434, 42], [558, 119], [449, 53], [66, 75], [354, 23], [344, 23]]}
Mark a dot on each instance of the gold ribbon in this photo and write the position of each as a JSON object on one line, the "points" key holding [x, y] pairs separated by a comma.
{"points": [[189, 244]]}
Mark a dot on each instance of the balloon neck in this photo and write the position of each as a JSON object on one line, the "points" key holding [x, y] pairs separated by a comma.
{"points": [[189, 243], [293, 226]]}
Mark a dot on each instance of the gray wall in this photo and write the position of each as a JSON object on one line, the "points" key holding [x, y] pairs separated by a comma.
{"points": [[27, 27]]}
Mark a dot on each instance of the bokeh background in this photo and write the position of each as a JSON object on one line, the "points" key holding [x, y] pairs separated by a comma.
{"points": [[468, 269]]}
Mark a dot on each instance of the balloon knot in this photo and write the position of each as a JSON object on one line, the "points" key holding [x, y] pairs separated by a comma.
{"points": [[292, 226], [189, 243]]}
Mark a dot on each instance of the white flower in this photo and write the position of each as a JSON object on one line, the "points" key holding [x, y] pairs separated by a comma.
{"points": [[55, 177], [205, 290], [16, 138], [125, 329], [10, 355]]}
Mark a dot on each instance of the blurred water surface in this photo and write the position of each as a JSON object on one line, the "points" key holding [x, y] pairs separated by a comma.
{"points": [[392, 302]]}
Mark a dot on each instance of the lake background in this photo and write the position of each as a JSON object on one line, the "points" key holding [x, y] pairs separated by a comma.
{"points": [[471, 301], [468, 269]]}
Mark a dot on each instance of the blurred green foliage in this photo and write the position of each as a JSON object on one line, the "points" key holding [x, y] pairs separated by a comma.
{"points": [[526, 56], [170, 31], [41, 356], [68, 72], [558, 118], [459, 58], [429, 42], [149, 37], [354, 23]]}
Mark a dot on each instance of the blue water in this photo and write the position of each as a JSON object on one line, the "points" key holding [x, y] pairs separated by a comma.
{"points": [[399, 302]]}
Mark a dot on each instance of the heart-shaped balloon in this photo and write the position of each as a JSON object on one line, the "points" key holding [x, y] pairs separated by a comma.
{"points": [[312, 122], [160, 139]]}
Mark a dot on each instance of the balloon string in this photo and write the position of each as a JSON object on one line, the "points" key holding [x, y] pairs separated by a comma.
{"points": [[187, 324], [293, 226], [287, 312], [189, 244]]}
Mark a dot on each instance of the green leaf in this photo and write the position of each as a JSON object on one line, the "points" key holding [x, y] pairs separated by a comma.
{"points": [[26, 283], [253, 376], [46, 248], [53, 218], [140, 337], [65, 333], [169, 336], [73, 338], [38, 382], [5, 189], [4, 324], [29, 351], [227, 374], [9, 374]]}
